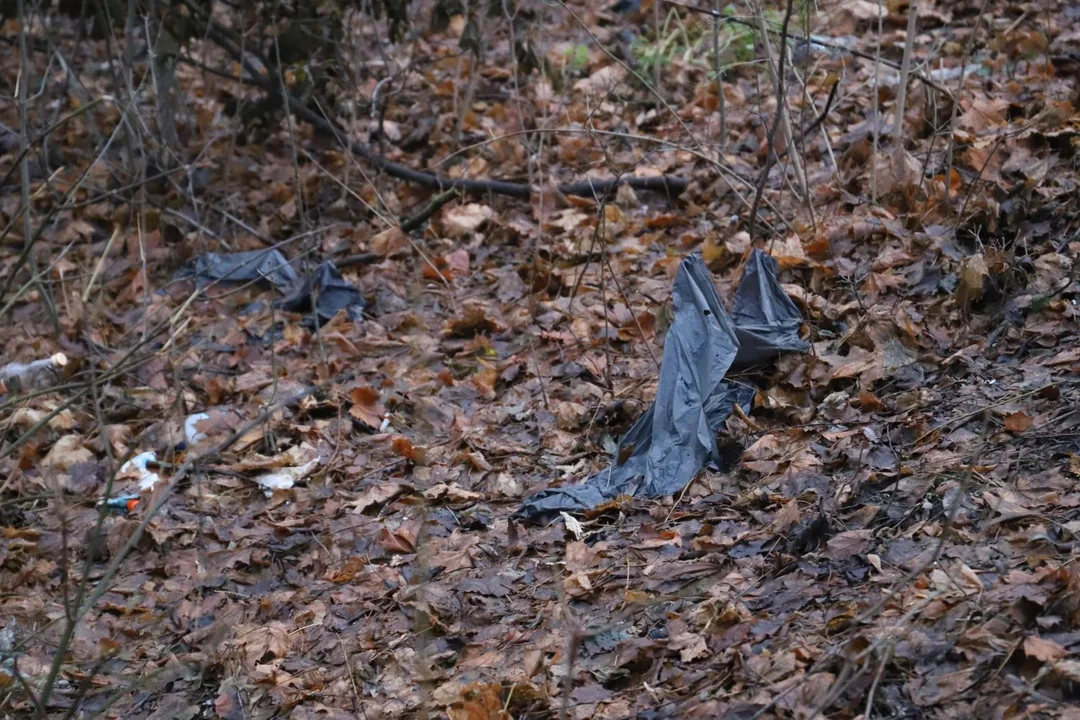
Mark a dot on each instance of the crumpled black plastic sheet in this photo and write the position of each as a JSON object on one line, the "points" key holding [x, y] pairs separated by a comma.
{"points": [[676, 437], [266, 265], [331, 292]]}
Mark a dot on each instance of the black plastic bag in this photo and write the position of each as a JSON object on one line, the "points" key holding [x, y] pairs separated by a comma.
{"points": [[330, 291], [267, 265], [676, 437]]}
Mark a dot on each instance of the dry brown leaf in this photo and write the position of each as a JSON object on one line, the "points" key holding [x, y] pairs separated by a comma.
{"points": [[577, 584], [377, 495], [390, 243], [452, 492], [786, 517], [983, 113], [461, 220], [601, 81], [897, 172], [766, 447], [788, 252], [65, 453], [262, 643], [848, 543], [366, 406], [1043, 650], [402, 447], [475, 319], [479, 701], [973, 274], [690, 645], [401, 541], [457, 263], [1018, 422]]}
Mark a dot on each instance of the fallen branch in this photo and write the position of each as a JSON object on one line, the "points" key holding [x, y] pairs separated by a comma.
{"points": [[414, 222], [588, 188], [407, 225], [668, 184]]}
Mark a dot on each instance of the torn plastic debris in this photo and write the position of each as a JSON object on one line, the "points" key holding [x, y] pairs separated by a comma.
{"points": [[285, 478], [329, 289], [136, 468], [331, 294], [39, 374], [204, 430], [192, 434], [269, 265], [121, 503], [676, 436]]}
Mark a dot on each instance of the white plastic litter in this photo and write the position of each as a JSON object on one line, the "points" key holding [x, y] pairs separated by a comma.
{"points": [[573, 525], [285, 478], [136, 466], [192, 434]]}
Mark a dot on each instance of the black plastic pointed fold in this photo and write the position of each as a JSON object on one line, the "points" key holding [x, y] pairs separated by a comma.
{"points": [[325, 288], [676, 437]]}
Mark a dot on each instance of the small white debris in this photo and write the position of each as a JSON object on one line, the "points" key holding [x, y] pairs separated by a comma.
{"points": [[573, 525], [285, 478], [192, 434], [136, 467]]}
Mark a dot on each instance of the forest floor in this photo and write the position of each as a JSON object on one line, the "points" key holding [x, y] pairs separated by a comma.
{"points": [[895, 540]]}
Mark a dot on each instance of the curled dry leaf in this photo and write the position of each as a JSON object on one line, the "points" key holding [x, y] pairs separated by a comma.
{"points": [[452, 493], [1043, 649], [973, 274], [601, 81], [788, 252], [1018, 422], [402, 447], [366, 407], [461, 220], [898, 172], [690, 646], [286, 477], [848, 544], [479, 701], [378, 494], [474, 319], [391, 242], [65, 453]]}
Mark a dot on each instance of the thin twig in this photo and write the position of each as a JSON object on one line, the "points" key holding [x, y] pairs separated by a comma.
{"points": [[718, 69], [877, 679], [956, 102], [905, 72], [29, 236], [876, 104], [770, 143]]}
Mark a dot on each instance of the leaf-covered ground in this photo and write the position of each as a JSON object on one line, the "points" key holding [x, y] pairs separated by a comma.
{"points": [[898, 534]]}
